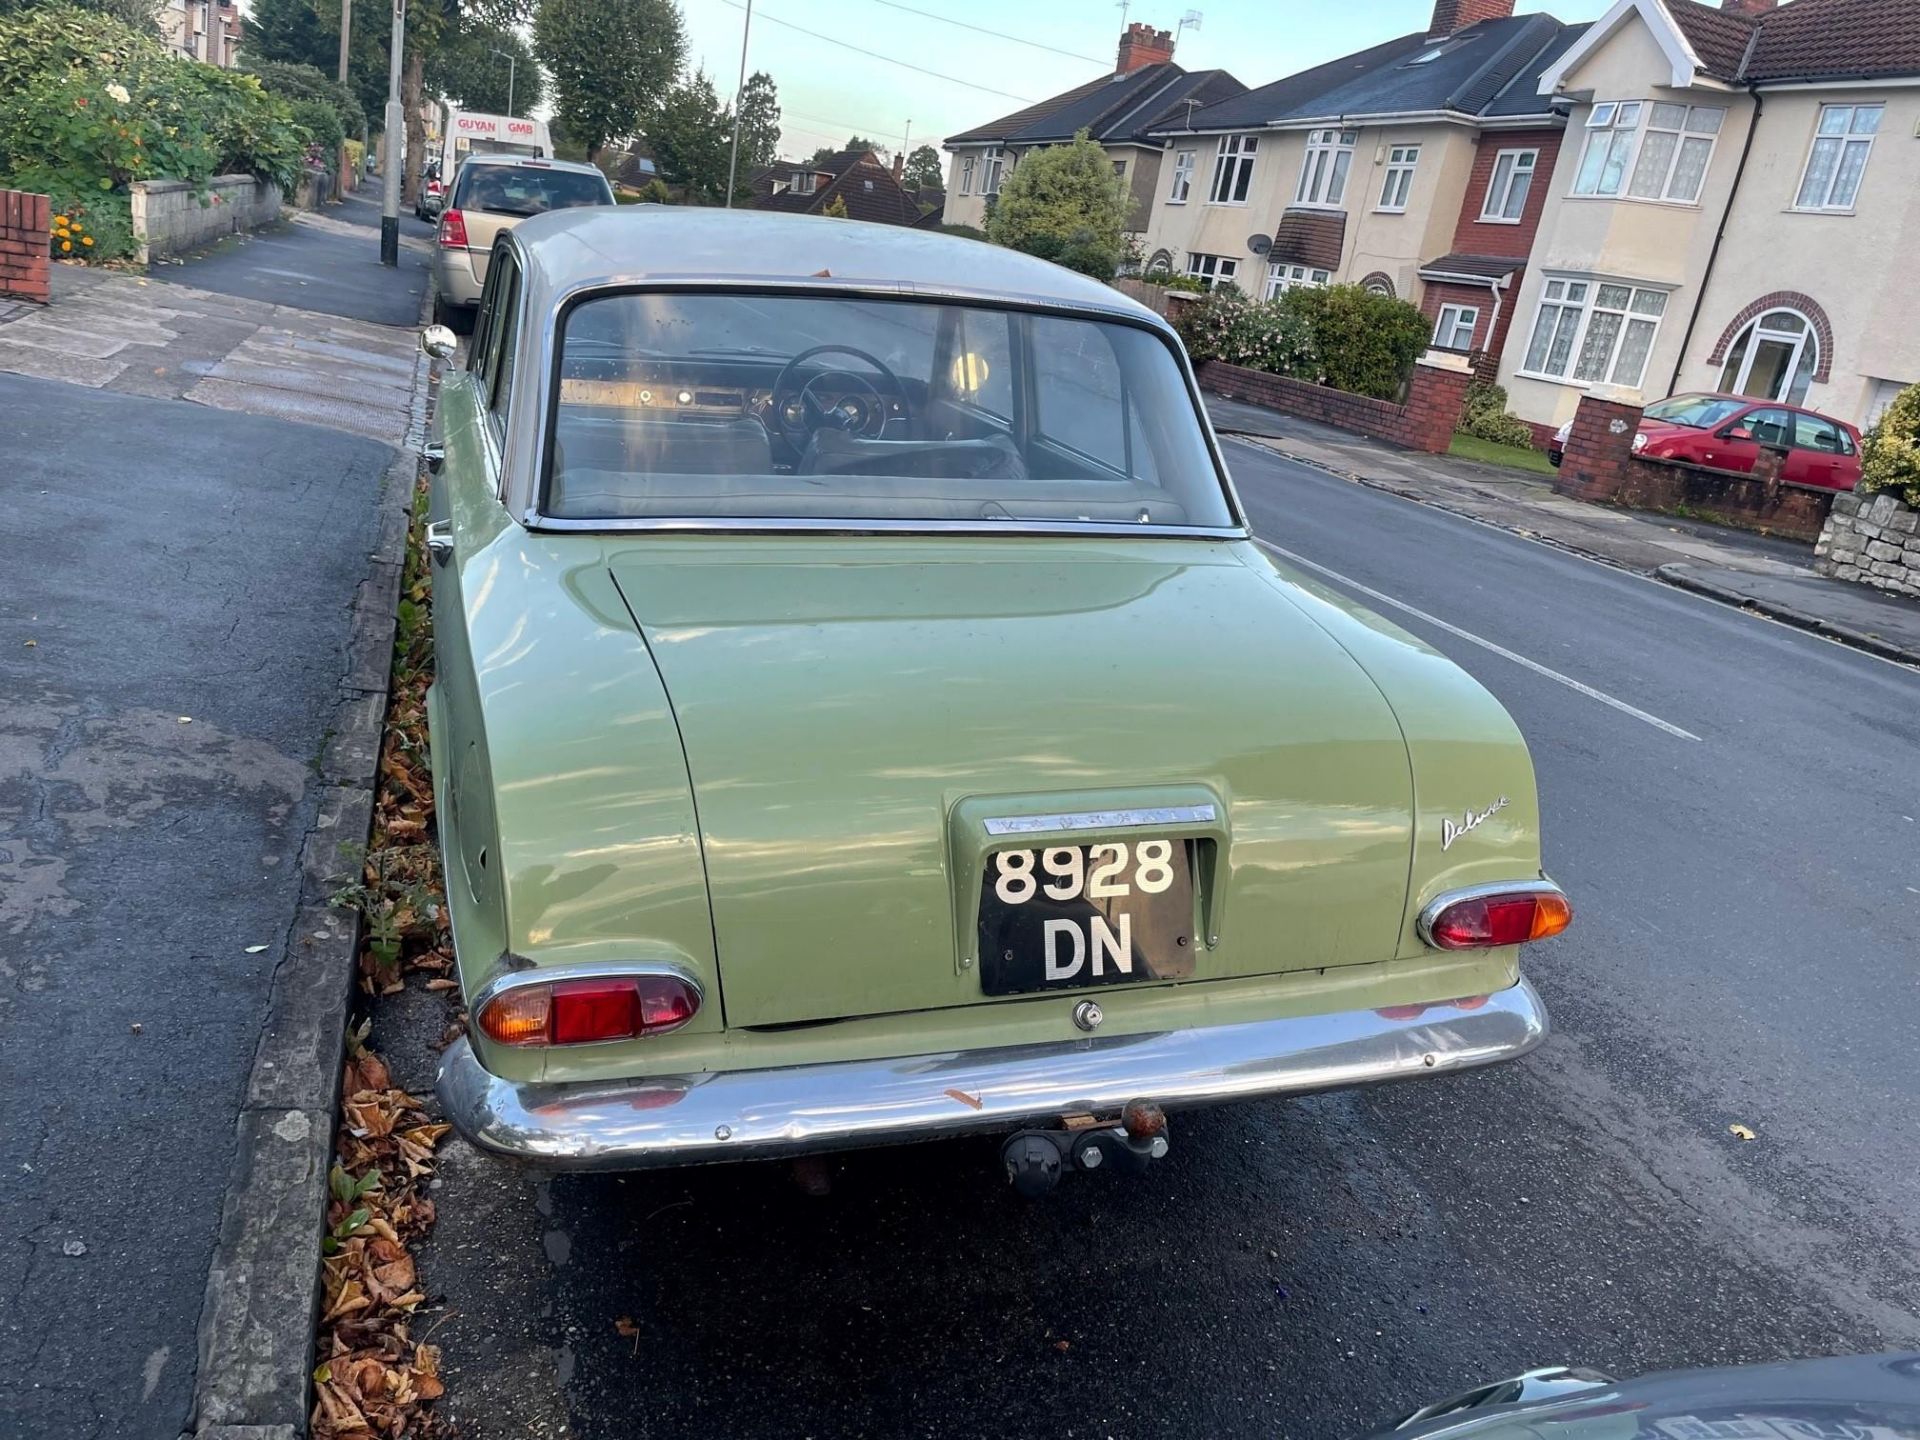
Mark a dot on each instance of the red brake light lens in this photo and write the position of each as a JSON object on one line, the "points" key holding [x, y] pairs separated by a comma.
{"points": [[588, 1010], [453, 229], [1484, 922]]}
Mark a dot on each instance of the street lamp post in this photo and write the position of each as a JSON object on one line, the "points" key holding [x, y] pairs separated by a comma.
{"points": [[733, 156], [510, 59], [396, 137]]}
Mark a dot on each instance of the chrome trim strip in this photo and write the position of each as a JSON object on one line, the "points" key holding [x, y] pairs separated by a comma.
{"points": [[735, 524], [1431, 910], [1101, 819], [761, 1114], [611, 970]]}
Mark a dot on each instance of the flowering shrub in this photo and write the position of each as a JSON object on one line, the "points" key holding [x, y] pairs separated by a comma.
{"points": [[89, 105], [1890, 456], [1259, 334]]}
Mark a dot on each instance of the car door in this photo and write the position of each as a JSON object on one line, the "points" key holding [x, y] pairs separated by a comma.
{"points": [[1816, 453], [1737, 443], [466, 515]]}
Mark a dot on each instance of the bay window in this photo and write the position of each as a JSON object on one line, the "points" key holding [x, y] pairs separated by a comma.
{"points": [[1594, 331], [1213, 269], [1838, 158], [1282, 277], [1233, 169], [1401, 160], [1674, 152], [1603, 166], [1323, 172], [1182, 177]]}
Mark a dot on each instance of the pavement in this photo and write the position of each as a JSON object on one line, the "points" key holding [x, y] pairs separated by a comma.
{"points": [[324, 263], [1768, 574], [194, 484], [1730, 804]]}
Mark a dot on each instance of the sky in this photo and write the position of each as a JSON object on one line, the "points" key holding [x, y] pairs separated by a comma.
{"points": [[830, 90]]}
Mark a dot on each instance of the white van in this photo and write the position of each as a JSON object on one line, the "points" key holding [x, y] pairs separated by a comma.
{"points": [[461, 133]]}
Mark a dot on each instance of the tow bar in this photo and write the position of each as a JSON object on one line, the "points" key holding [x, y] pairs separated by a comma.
{"points": [[1036, 1159]]}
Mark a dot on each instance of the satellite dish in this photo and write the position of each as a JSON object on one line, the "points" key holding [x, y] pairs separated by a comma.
{"points": [[1259, 244]]}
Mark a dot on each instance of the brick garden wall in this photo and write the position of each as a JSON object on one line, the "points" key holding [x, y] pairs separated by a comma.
{"points": [[1436, 395], [25, 224]]}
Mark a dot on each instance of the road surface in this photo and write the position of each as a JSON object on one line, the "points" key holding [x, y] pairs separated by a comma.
{"points": [[1734, 808]]}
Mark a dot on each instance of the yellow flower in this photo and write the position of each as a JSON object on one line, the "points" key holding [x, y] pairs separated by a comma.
{"points": [[59, 219], [66, 245], [88, 240]]}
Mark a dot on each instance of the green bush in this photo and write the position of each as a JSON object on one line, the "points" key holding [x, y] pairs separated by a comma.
{"points": [[1064, 203], [1259, 334], [965, 232], [1172, 280], [89, 105], [309, 90], [1890, 456], [319, 122], [1486, 416], [1366, 343]]}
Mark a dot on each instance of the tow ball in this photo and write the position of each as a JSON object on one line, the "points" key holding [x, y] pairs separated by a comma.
{"points": [[1036, 1159]]}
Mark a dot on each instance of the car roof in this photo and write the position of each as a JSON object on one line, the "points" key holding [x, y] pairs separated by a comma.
{"points": [[589, 247], [571, 167]]}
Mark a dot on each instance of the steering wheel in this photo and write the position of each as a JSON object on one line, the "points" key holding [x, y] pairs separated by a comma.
{"points": [[853, 413]]}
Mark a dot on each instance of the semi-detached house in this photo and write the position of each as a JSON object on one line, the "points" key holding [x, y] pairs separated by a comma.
{"points": [[1117, 110], [1736, 208], [1416, 167]]}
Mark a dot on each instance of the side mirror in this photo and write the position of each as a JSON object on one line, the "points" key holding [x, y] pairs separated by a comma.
{"points": [[1734, 432], [439, 342]]}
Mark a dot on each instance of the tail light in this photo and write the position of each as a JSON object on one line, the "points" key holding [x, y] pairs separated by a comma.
{"points": [[453, 230], [585, 1010], [1489, 916]]}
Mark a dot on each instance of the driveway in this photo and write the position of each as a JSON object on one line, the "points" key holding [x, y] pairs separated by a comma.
{"points": [[1732, 807], [171, 648]]}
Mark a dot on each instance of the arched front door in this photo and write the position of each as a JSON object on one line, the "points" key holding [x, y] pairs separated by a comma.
{"points": [[1774, 358]]}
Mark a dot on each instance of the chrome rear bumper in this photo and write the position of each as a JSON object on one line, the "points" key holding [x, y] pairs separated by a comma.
{"points": [[763, 1114]]}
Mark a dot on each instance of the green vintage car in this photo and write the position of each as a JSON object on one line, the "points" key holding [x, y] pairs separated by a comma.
{"points": [[862, 716]]}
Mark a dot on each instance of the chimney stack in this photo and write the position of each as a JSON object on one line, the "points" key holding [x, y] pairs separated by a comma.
{"points": [[1452, 16], [1748, 8], [1144, 45], [899, 163]]}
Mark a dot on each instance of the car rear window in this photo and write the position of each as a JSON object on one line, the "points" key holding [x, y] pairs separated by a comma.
{"points": [[528, 190], [782, 407]]}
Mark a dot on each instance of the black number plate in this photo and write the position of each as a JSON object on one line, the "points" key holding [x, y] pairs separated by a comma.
{"points": [[1060, 917]]}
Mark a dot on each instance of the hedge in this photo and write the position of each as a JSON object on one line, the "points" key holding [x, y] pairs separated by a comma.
{"points": [[1342, 336]]}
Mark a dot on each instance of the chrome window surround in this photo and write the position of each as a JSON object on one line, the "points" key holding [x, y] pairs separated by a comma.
{"points": [[1430, 912], [1100, 820], [523, 500], [513, 980]]}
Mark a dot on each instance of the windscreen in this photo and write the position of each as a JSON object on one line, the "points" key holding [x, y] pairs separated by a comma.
{"points": [[677, 405], [1701, 411], [527, 190]]}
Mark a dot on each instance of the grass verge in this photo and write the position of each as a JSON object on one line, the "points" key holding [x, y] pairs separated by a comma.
{"points": [[1514, 457]]}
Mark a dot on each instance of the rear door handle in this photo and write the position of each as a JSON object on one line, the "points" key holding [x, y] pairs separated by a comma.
{"points": [[440, 540]]}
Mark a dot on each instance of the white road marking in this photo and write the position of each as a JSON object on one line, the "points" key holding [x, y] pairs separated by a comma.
{"points": [[1482, 642]]}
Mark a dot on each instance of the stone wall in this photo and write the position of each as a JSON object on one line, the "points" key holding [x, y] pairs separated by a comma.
{"points": [[1436, 397], [169, 216], [25, 228], [1872, 540], [316, 188]]}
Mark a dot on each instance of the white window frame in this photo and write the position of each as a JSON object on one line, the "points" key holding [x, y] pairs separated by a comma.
{"points": [[1696, 128], [1283, 276], [1233, 169], [1511, 169], [1213, 268], [1804, 354], [805, 182], [1846, 141], [1447, 328], [1325, 169], [1397, 185], [1576, 301], [1184, 162], [993, 165], [1611, 128], [966, 174]]}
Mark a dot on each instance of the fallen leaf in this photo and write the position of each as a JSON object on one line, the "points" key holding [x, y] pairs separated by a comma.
{"points": [[1740, 1131], [625, 1328], [1063, 1346], [33, 644]]}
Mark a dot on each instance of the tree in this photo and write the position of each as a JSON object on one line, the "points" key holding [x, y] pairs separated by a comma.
{"points": [[612, 63], [137, 13], [758, 105], [836, 208], [923, 169], [1065, 204], [854, 142], [468, 70], [1890, 459], [691, 135], [299, 32]]}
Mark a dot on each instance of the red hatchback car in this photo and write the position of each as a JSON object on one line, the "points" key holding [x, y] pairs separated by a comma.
{"points": [[1728, 431]]}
